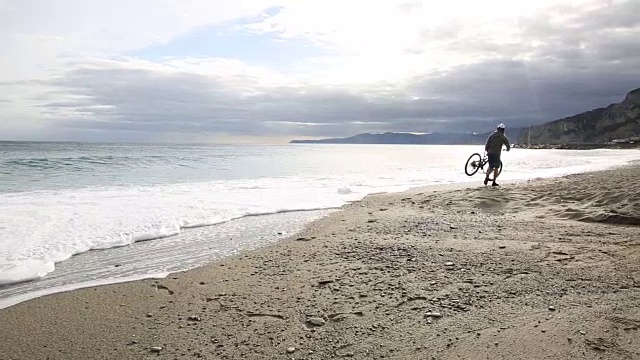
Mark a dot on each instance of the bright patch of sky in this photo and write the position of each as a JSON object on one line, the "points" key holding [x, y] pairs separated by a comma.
{"points": [[236, 41]]}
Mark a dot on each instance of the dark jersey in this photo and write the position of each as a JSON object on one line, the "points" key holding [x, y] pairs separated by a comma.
{"points": [[495, 142]]}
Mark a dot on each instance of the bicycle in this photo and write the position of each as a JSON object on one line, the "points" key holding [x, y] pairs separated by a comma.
{"points": [[477, 162]]}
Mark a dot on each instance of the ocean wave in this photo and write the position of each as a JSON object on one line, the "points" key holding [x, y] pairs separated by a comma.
{"points": [[66, 223], [49, 163]]}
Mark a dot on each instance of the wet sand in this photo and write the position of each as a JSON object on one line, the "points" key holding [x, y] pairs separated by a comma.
{"points": [[548, 269]]}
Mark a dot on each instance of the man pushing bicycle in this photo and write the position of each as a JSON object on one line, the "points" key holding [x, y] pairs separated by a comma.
{"points": [[493, 148]]}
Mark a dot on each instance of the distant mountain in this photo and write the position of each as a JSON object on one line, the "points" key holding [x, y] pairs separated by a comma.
{"points": [[404, 138], [619, 121]]}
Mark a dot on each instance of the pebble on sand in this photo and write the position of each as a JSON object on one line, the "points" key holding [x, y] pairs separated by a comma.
{"points": [[448, 263], [291, 349], [156, 349], [316, 321]]}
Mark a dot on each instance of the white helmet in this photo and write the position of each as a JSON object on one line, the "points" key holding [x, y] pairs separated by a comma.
{"points": [[501, 127]]}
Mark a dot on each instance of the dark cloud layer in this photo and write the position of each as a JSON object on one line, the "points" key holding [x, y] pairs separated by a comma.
{"points": [[591, 61]]}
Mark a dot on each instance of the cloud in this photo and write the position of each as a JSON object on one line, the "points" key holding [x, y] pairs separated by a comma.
{"points": [[42, 34], [473, 96], [391, 66]]}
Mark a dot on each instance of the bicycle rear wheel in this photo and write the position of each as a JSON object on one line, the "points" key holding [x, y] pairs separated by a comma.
{"points": [[473, 164]]}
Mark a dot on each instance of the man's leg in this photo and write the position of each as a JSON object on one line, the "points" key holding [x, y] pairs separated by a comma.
{"points": [[495, 176], [494, 166], [496, 172], [486, 178]]}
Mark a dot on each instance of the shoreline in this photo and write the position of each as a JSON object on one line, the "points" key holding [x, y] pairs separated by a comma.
{"points": [[6, 302], [581, 146], [437, 272], [129, 263]]}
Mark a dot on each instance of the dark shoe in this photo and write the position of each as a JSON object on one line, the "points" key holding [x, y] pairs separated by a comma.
{"points": [[495, 184], [486, 181]]}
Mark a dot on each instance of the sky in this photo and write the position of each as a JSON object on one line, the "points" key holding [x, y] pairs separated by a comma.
{"points": [[275, 70]]}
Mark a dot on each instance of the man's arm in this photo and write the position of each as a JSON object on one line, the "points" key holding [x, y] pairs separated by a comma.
{"points": [[506, 142], [486, 146]]}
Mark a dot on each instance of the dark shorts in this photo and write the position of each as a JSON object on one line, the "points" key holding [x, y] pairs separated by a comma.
{"points": [[494, 161]]}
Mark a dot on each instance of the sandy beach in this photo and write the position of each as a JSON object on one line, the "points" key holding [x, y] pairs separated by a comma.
{"points": [[546, 269]]}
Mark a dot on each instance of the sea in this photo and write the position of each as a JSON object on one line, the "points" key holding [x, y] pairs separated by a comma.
{"points": [[74, 215]]}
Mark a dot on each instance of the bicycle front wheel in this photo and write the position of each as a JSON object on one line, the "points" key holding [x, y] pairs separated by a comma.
{"points": [[473, 164]]}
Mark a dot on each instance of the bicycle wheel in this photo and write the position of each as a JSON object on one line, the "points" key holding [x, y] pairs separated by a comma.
{"points": [[473, 164]]}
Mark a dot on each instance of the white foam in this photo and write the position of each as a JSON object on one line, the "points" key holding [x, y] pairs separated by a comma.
{"points": [[24, 271], [42, 228]]}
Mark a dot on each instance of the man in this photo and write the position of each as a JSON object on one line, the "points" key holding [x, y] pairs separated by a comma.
{"points": [[493, 147]]}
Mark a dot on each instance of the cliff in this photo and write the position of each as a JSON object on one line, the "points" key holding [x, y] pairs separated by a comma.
{"points": [[619, 121]]}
